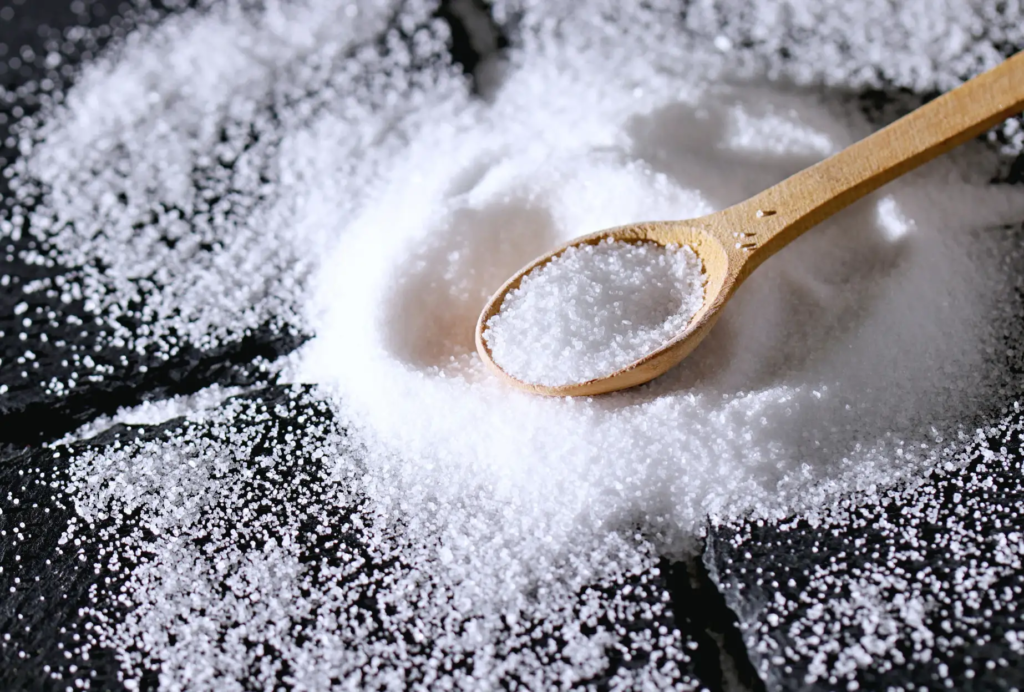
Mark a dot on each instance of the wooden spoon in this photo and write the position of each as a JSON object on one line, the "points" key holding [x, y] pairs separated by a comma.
{"points": [[732, 243]]}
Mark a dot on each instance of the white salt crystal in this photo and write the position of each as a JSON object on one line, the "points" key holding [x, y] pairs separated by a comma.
{"points": [[318, 179], [594, 310]]}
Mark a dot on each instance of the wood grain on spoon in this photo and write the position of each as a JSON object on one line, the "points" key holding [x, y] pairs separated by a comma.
{"points": [[732, 243]]}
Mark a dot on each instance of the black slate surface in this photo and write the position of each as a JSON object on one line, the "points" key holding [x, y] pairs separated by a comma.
{"points": [[51, 588], [56, 583], [923, 588], [37, 317], [924, 543]]}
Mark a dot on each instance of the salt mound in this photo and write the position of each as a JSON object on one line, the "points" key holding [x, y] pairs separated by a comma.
{"points": [[843, 363], [358, 190], [593, 310]]}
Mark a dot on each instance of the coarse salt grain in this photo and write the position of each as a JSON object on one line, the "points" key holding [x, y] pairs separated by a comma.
{"points": [[307, 165], [593, 310]]}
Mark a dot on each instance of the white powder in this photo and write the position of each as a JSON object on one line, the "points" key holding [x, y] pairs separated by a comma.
{"points": [[593, 310], [157, 412], [361, 192], [829, 369]]}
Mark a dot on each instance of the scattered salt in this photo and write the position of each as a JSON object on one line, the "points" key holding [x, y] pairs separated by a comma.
{"points": [[157, 412], [593, 310], [239, 167]]}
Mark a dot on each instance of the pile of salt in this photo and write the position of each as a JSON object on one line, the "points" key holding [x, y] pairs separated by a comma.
{"points": [[595, 309]]}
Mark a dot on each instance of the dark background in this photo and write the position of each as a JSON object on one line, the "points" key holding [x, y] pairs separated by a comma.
{"points": [[724, 603]]}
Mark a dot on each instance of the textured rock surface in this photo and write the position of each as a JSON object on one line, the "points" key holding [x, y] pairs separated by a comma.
{"points": [[58, 368], [918, 588], [71, 587]]}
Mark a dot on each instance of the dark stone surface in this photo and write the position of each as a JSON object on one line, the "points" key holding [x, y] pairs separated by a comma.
{"points": [[927, 543], [721, 661], [54, 589], [919, 589], [45, 333], [44, 583]]}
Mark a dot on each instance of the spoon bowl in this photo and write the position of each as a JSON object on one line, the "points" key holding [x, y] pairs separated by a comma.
{"points": [[717, 264], [731, 243]]}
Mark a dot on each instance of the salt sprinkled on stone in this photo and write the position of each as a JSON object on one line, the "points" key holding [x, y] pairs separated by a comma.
{"points": [[595, 309], [244, 166]]}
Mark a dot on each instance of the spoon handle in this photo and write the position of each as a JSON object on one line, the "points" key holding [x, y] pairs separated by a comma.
{"points": [[776, 216]]}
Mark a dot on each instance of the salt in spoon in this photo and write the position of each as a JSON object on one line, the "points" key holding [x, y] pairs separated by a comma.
{"points": [[733, 242]]}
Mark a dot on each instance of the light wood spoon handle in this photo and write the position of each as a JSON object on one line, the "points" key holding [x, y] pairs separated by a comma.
{"points": [[776, 216]]}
